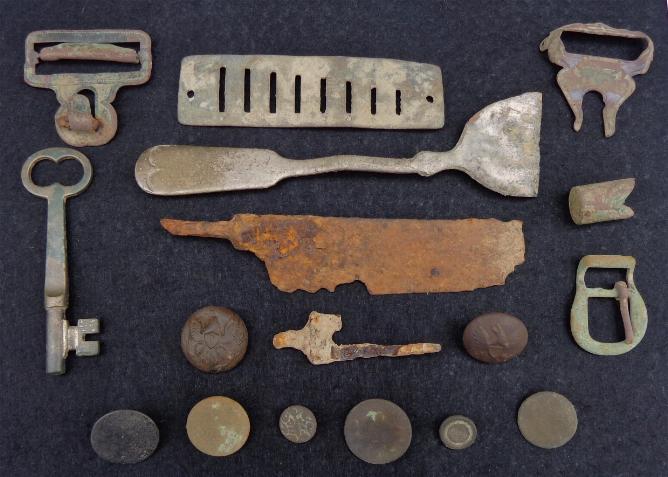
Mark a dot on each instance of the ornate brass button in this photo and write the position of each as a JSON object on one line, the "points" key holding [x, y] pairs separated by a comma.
{"points": [[214, 339], [495, 337]]}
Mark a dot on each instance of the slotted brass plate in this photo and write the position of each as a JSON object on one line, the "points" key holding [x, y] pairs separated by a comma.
{"points": [[309, 91]]}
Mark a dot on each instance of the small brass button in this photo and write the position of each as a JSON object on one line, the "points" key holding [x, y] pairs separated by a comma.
{"points": [[495, 337], [124, 437], [458, 432], [377, 431], [297, 424], [214, 339], [218, 426], [547, 419]]}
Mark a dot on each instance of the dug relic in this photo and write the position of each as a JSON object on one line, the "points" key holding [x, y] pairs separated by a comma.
{"points": [[611, 77], [297, 424], [304, 252], [458, 432], [495, 337], [124, 437], [214, 339], [377, 431], [78, 122], [61, 337], [631, 306], [218, 426], [499, 148], [315, 341], [309, 91], [547, 419], [600, 202]]}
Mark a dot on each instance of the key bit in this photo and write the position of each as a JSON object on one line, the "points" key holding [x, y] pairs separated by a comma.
{"points": [[61, 337], [315, 341]]}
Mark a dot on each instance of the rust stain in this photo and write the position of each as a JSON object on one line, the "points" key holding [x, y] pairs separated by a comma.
{"points": [[316, 342], [388, 255]]}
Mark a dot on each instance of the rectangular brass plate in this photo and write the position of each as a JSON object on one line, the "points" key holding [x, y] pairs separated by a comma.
{"points": [[309, 91]]}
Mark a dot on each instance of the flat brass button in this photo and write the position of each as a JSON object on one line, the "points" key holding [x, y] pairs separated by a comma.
{"points": [[377, 431], [547, 419], [214, 339], [297, 424], [218, 426], [458, 432], [495, 337], [124, 437]]}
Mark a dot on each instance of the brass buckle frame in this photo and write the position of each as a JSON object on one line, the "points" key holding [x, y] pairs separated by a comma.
{"points": [[74, 122], [632, 306]]}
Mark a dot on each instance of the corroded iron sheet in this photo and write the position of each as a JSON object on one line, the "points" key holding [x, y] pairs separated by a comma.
{"points": [[387, 255], [309, 91], [611, 77], [316, 341], [499, 148]]}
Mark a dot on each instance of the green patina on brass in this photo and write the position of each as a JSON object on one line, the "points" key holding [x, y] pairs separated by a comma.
{"points": [[61, 337], [611, 77], [632, 306], [76, 122], [600, 202]]}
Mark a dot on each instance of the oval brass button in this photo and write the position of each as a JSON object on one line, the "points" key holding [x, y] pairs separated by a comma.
{"points": [[214, 339], [378, 431], [218, 426], [495, 337], [547, 419]]}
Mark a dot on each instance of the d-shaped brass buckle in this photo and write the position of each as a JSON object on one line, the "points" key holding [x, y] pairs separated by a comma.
{"points": [[75, 123], [631, 304]]}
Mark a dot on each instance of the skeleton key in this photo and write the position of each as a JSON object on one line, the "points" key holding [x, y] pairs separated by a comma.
{"points": [[61, 337]]}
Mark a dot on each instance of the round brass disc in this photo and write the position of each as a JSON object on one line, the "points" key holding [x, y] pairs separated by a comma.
{"points": [[377, 431], [218, 426], [547, 419]]}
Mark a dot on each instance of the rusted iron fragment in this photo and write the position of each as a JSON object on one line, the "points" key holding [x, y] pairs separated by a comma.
{"points": [[631, 305], [611, 77], [304, 252], [75, 121], [315, 341], [309, 91], [601, 202], [499, 148]]}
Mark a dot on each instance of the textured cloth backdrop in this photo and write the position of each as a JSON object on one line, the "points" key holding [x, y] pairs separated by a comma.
{"points": [[143, 283]]}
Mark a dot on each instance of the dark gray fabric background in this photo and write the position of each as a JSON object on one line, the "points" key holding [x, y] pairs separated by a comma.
{"points": [[143, 283]]}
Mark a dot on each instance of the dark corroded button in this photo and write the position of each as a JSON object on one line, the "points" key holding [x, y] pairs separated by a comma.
{"points": [[377, 431], [547, 419], [214, 339], [457, 432], [124, 437], [218, 426], [495, 337], [297, 424]]}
